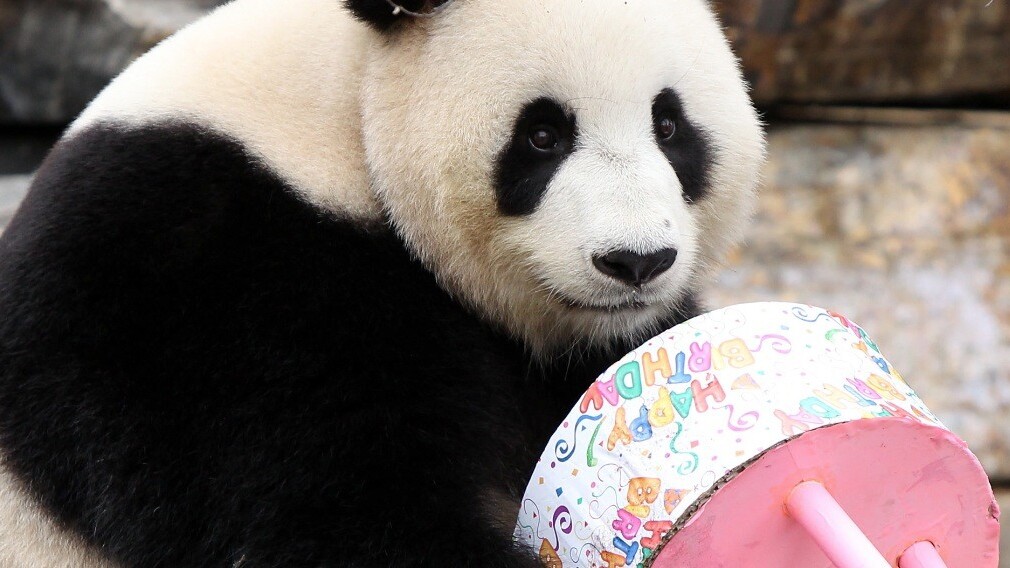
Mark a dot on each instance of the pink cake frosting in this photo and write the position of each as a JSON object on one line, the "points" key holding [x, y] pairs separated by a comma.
{"points": [[662, 425], [901, 482]]}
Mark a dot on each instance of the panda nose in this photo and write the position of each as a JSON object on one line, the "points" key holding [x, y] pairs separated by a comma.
{"points": [[633, 268]]}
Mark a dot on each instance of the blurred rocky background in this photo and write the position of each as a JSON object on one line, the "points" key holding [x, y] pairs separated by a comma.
{"points": [[886, 196]]}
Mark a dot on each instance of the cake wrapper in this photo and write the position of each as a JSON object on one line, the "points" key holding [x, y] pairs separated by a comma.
{"points": [[658, 429]]}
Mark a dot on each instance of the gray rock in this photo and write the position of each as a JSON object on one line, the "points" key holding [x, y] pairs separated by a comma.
{"points": [[22, 149], [56, 55], [12, 191]]}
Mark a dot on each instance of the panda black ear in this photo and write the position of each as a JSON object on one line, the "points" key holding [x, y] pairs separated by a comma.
{"points": [[385, 14]]}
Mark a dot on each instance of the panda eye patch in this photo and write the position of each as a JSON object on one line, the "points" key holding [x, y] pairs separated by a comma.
{"points": [[545, 129], [685, 143], [542, 136]]}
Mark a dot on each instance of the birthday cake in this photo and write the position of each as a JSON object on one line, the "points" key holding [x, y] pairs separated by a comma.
{"points": [[667, 425]]}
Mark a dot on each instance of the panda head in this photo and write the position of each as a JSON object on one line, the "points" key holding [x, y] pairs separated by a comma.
{"points": [[570, 169]]}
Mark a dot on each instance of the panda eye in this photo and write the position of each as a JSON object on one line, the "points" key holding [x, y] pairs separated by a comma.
{"points": [[665, 128], [543, 137]]}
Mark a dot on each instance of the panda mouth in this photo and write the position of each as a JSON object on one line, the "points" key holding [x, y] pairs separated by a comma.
{"points": [[627, 305]]}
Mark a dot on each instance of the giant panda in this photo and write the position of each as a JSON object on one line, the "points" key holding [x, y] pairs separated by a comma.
{"points": [[311, 282]]}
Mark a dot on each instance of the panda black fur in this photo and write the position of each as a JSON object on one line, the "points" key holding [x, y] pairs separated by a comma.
{"points": [[283, 295]]}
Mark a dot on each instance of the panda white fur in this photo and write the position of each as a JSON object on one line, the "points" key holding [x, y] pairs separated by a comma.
{"points": [[288, 207]]}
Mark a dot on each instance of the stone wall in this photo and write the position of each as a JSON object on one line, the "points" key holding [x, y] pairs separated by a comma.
{"points": [[872, 51], [55, 55]]}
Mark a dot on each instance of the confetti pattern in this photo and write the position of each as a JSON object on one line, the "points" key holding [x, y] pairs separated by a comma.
{"points": [[667, 421]]}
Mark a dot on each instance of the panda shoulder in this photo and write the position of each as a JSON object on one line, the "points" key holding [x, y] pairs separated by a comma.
{"points": [[282, 79]]}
